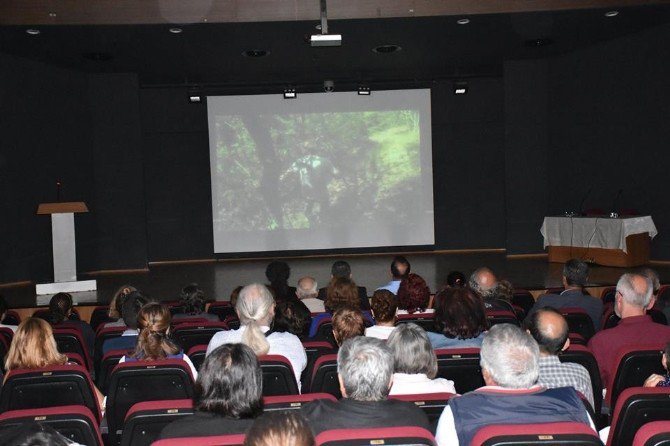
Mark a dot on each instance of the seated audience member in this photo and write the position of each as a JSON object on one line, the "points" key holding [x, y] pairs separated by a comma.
{"points": [[509, 361], [234, 295], [413, 295], [633, 294], [130, 308], [347, 323], [655, 284], [384, 306], [485, 283], [256, 309], [550, 330], [400, 268], [656, 380], [341, 269], [192, 301], [60, 315], [278, 272], [415, 363], [153, 343], [34, 434], [505, 290], [460, 319], [341, 294], [456, 279], [34, 347], [114, 312], [227, 396], [365, 372], [307, 292], [575, 276], [279, 428], [294, 317], [3, 312]]}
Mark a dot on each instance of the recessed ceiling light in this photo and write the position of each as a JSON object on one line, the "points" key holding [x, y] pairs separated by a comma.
{"points": [[539, 42], [52, 14], [463, 21], [385, 49], [255, 53], [33, 31], [611, 13], [176, 30]]}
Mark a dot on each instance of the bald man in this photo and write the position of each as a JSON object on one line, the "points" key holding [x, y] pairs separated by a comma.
{"points": [[633, 296], [485, 283], [307, 291], [550, 329]]}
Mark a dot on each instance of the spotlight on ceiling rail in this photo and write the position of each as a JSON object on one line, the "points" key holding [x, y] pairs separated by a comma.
{"points": [[460, 87]]}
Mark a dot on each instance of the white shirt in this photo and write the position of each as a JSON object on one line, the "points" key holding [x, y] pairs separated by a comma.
{"points": [[446, 435], [314, 305], [11, 327], [186, 359], [281, 343], [379, 331], [406, 384]]}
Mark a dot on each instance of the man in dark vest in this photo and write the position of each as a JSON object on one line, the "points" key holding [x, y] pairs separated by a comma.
{"points": [[509, 361]]}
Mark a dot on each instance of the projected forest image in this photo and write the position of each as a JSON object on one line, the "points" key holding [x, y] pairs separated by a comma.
{"points": [[303, 171]]}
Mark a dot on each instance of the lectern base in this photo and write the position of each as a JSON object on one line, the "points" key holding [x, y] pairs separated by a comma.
{"points": [[65, 287]]}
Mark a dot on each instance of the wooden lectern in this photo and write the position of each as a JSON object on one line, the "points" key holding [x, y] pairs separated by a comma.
{"points": [[64, 248]]}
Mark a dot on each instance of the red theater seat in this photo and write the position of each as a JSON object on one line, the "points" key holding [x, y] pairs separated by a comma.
{"points": [[406, 435], [553, 434]]}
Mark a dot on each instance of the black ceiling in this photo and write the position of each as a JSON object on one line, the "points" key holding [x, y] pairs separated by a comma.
{"points": [[432, 47]]}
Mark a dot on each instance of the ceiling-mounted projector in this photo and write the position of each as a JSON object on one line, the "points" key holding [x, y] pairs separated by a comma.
{"points": [[325, 39]]}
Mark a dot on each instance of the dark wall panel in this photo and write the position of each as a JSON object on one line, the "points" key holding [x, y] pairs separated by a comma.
{"points": [[609, 109], [45, 137]]}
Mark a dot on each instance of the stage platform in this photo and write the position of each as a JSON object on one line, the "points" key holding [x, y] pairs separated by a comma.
{"points": [[218, 278]]}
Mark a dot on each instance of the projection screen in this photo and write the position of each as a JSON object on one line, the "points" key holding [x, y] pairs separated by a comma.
{"points": [[322, 171]]}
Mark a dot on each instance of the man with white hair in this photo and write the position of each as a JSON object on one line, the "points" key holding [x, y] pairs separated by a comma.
{"points": [[307, 291], [509, 361], [255, 308], [365, 372], [633, 297]]}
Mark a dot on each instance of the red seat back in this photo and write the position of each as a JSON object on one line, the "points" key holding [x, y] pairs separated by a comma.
{"points": [[415, 436], [555, 434]]}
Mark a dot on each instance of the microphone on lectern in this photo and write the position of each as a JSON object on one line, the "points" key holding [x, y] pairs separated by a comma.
{"points": [[615, 205], [58, 185]]}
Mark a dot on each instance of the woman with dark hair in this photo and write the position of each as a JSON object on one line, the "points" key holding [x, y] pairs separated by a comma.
{"points": [[456, 279], [60, 316], [278, 273], [342, 292], [153, 342], [192, 301], [460, 319], [384, 306], [294, 317], [413, 295], [116, 303], [227, 396]]}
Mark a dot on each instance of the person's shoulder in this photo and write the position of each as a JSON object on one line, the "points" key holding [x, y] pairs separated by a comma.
{"points": [[316, 407], [284, 336]]}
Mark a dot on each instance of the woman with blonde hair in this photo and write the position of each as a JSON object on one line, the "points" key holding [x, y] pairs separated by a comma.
{"points": [[255, 307], [34, 347], [153, 341]]}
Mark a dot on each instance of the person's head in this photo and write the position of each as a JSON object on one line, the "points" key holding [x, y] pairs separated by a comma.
{"points": [[117, 300], [633, 295], [459, 313], [400, 267], [234, 295], [192, 299], [33, 346], [347, 323], [255, 308], [3, 307], [413, 293], [294, 317], [279, 428], [656, 286], [666, 355], [340, 268], [412, 351], [365, 369], [384, 305], [509, 357], [278, 272], [341, 292], [505, 290], [60, 307], [230, 383], [130, 308], [549, 329], [33, 433], [456, 279], [153, 343], [575, 273], [483, 282], [307, 288]]}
